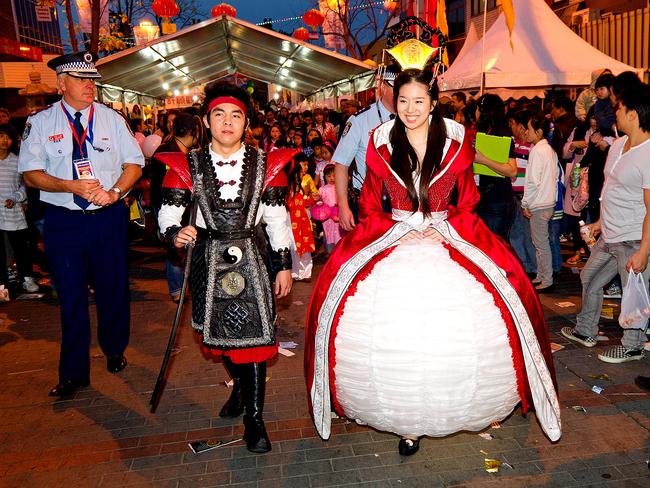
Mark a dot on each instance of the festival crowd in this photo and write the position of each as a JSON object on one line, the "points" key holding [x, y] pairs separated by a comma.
{"points": [[560, 178]]}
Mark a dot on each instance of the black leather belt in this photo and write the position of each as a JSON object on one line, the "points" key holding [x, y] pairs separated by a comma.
{"points": [[225, 236]]}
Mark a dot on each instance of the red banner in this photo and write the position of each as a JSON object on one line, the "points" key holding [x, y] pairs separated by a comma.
{"points": [[9, 47]]}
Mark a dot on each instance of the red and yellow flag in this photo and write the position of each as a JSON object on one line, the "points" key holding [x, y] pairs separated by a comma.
{"points": [[509, 12], [441, 23]]}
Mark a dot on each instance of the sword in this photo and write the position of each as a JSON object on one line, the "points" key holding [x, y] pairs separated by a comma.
{"points": [[160, 383]]}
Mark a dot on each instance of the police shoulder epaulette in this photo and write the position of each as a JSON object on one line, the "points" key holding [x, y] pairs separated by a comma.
{"points": [[114, 110], [39, 110], [359, 112], [120, 113]]}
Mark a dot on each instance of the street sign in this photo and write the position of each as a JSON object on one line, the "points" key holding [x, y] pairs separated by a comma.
{"points": [[43, 14]]}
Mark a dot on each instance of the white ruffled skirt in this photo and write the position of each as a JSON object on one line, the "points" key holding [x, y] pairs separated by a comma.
{"points": [[421, 348]]}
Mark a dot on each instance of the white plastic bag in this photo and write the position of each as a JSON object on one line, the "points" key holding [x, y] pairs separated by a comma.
{"points": [[635, 304]]}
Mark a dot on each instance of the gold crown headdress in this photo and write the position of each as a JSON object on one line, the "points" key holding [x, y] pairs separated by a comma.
{"points": [[413, 53]]}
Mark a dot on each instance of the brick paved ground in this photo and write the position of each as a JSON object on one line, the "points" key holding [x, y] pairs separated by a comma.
{"points": [[106, 437]]}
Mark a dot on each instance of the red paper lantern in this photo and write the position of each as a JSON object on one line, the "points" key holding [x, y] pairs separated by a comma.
{"points": [[301, 34], [165, 8], [391, 5], [313, 18], [224, 9]]}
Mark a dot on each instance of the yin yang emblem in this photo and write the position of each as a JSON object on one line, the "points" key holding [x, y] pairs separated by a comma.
{"points": [[232, 255]]}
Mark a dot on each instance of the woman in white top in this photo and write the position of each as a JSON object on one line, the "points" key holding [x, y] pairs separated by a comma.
{"points": [[12, 217], [540, 196]]}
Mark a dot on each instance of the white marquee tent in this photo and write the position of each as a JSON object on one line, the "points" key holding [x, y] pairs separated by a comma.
{"points": [[219, 47], [545, 53]]}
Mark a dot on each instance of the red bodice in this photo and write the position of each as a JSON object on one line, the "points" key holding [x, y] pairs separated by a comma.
{"points": [[440, 189]]}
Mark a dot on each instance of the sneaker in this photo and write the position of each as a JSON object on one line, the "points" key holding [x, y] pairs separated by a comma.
{"points": [[574, 260], [536, 281], [29, 285], [620, 354], [614, 291], [572, 335]]}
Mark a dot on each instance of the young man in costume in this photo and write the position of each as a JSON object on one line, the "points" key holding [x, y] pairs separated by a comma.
{"points": [[235, 187]]}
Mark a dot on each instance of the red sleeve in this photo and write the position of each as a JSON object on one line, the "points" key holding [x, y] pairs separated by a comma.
{"points": [[468, 195]]}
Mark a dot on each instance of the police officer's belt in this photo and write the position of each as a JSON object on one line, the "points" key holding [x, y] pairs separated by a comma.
{"points": [[224, 236]]}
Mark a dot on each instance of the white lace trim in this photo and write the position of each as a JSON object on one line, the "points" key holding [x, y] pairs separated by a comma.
{"points": [[544, 396]]}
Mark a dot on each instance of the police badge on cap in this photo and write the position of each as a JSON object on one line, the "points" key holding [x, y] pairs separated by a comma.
{"points": [[79, 65]]}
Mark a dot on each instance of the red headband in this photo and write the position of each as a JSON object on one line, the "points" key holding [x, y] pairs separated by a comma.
{"points": [[227, 99]]}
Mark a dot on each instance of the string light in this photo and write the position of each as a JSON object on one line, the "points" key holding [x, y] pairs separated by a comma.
{"points": [[289, 19]]}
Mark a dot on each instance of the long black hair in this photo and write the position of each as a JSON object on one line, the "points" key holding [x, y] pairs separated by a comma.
{"points": [[492, 115], [404, 159]]}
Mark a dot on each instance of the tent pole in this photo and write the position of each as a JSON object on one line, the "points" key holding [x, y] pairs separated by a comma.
{"points": [[485, 7]]}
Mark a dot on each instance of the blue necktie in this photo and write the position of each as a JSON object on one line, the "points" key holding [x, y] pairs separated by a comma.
{"points": [[78, 154]]}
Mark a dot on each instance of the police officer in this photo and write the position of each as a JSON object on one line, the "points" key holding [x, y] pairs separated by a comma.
{"points": [[354, 144], [84, 159]]}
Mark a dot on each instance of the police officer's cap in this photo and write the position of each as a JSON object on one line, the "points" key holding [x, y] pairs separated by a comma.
{"points": [[79, 65], [390, 72]]}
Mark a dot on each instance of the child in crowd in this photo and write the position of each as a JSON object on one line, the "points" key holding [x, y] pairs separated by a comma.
{"points": [[274, 139], [603, 110], [303, 243], [297, 140], [575, 149], [12, 218], [540, 196], [312, 134], [326, 151], [307, 179], [331, 226], [316, 156]]}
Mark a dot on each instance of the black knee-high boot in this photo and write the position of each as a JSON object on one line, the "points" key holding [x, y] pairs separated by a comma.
{"points": [[254, 376], [234, 407]]}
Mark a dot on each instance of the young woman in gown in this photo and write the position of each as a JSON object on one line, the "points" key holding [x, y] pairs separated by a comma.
{"points": [[423, 323]]}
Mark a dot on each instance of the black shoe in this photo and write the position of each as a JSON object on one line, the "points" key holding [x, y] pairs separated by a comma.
{"points": [[234, 407], [68, 387], [115, 364], [408, 447], [643, 382], [254, 384]]}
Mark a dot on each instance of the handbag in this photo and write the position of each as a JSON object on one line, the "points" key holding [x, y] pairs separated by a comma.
{"points": [[635, 304], [580, 195]]}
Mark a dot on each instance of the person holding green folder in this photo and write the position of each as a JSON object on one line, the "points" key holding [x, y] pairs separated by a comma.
{"points": [[495, 166]]}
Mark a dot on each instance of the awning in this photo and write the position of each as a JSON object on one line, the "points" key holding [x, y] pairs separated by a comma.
{"points": [[222, 46]]}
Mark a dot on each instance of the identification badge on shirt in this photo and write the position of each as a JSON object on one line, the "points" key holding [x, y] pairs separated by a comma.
{"points": [[84, 169]]}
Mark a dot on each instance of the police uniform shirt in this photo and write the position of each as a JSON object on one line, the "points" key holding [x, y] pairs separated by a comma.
{"points": [[354, 139], [47, 145]]}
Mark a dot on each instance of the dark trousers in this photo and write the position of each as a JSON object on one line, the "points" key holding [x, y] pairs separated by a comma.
{"points": [[19, 240], [80, 247], [498, 216]]}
